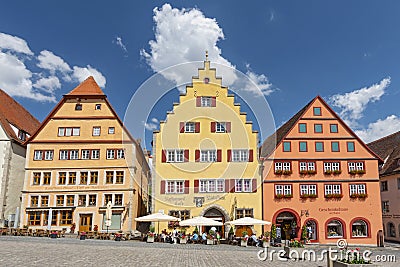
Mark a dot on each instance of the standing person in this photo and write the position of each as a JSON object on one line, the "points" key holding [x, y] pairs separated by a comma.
{"points": [[175, 235]]}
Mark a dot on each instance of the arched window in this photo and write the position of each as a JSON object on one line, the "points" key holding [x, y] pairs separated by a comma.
{"points": [[359, 228], [311, 227], [334, 229], [391, 230]]}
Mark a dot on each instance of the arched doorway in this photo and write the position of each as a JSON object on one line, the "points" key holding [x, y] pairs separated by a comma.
{"points": [[287, 224], [215, 214], [312, 230]]}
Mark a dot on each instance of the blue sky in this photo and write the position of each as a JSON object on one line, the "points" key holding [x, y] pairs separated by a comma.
{"points": [[346, 51]]}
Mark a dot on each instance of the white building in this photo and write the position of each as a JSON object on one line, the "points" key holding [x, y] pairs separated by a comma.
{"points": [[16, 126]]}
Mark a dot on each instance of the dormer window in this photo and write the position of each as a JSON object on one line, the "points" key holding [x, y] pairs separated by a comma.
{"points": [[78, 107], [97, 107], [22, 135]]}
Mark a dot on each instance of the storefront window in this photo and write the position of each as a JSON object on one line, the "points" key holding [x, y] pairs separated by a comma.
{"points": [[359, 229], [391, 230], [335, 229]]}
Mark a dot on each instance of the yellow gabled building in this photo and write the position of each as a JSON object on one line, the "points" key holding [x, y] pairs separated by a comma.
{"points": [[79, 159], [205, 157]]}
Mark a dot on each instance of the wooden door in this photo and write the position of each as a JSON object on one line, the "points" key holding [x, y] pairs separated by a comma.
{"points": [[241, 228], [85, 223]]}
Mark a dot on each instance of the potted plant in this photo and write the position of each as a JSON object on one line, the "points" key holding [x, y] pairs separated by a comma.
{"points": [[273, 233], [183, 237], [96, 228], [244, 239], [327, 172], [297, 249], [278, 172], [352, 258], [288, 196], [265, 239], [279, 196], [304, 235], [210, 237], [304, 195], [151, 234], [337, 172], [360, 172], [353, 172], [311, 172], [312, 195], [82, 236]]}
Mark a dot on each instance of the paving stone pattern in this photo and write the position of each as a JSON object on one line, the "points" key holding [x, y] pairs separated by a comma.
{"points": [[43, 251]]}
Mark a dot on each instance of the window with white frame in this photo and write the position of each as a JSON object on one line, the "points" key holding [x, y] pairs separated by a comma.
{"points": [[220, 127], [85, 154], [48, 155], [333, 189], [69, 131], [96, 154], [38, 155], [357, 189], [356, 166], [206, 101], [282, 166], [285, 190], [308, 189], [174, 187], [359, 229], [74, 154], [331, 166], [189, 127], [96, 131], [240, 155], [243, 185], [176, 155], [110, 153], [208, 156], [120, 153], [307, 166], [63, 154]]}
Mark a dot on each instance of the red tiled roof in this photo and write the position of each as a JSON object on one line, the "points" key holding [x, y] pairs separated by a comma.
{"points": [[11, 112], [388, 148], [87, 87]]}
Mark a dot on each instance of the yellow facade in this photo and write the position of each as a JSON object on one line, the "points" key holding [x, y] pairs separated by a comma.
{"points": [[84, 141], [218, 174]]}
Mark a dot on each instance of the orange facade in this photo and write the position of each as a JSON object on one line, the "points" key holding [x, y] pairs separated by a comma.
{"points": [[319, 174]]}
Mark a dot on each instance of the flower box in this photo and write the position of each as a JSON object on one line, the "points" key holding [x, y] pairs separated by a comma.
{"points": [[210, 241], [334, 196], [311, 172], [279, 196], [328, 172], [243, 242], [287, 196], [362, 196], [287, 172], [337, 172], [361, 172], [308, 196], [303, 172], [150, 239], [278, 172], [353, 172]]}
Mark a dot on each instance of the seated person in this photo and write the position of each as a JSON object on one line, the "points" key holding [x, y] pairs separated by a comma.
{"points": [[204, 237], [254, 238], [195, 237]]}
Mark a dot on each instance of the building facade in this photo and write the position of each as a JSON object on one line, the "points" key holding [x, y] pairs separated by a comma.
{"points": [[388, 148], [16, 126], [205, 157], [80, 159], [319, 174]]}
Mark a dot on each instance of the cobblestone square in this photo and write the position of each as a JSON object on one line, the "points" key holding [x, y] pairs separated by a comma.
{"points": [[42, 251]]}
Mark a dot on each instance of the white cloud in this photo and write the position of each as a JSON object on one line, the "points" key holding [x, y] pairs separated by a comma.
{"points": [[151, 126], [82, 74], [379, 129], [49, 61], [15, 79], [18, 80], [258, 84], [353, 104], [49, 84], [119, 42], [183, 36], [14, 43]]}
